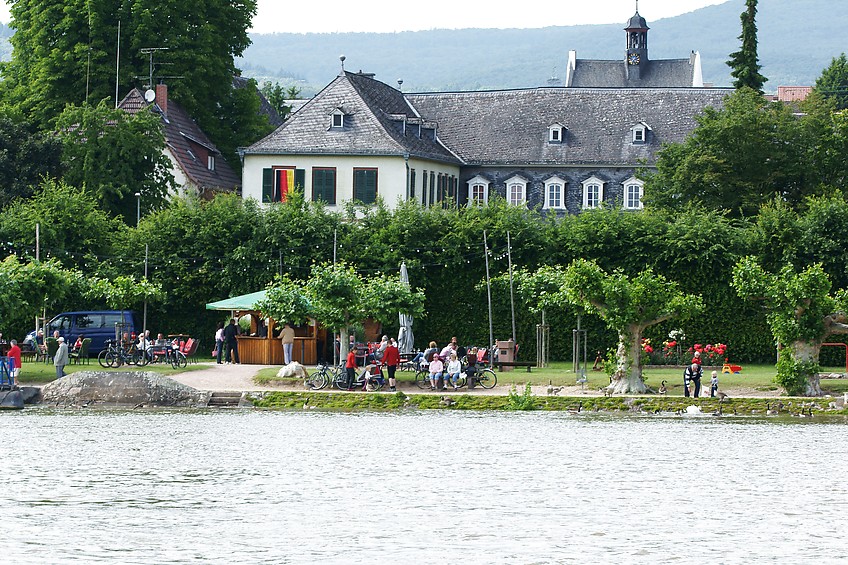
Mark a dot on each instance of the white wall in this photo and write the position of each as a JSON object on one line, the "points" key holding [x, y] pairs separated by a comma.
{"points": [[391, 174]]}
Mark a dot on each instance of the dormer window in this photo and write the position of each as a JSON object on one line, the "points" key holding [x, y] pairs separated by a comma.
{"points": [[516, 191], [640, 133], [593, 193], [556, 133], [338, 120]]}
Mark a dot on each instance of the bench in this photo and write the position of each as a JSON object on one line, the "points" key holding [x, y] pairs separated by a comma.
{"points": [[528, 364]]}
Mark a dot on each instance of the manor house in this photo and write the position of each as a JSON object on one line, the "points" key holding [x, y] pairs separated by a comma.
{"points": [[560, 149]]}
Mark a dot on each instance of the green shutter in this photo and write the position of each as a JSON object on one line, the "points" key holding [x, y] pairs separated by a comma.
{"points": [[300, 179], [324, 185], [267, 185], [365, 185]]}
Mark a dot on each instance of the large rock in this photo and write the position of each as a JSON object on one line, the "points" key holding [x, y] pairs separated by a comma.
{"points": [[11, 400], [293, 369], [116, 388]]}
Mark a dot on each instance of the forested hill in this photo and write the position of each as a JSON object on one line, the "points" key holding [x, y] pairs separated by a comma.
{"points": [[797, 40]]}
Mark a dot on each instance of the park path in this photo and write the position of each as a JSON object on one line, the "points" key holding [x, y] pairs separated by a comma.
{"points": [[223, 377]]}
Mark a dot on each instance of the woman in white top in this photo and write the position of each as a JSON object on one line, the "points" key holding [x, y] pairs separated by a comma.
{"points": [[219, 341], [453, 371]]}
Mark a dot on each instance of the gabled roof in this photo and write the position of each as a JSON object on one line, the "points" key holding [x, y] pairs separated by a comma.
{"points": [[510, 127], [378, 121], [660, 73], [183, 136]]}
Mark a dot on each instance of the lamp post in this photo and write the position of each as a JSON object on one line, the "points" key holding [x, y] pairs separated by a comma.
{"points": [[137, 208]]}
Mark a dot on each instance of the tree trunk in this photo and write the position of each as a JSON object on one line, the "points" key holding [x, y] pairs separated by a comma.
{"points": [[808, 352], [628, 374]]}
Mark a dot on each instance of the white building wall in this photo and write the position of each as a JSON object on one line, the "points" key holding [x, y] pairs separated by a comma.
{"points": [[391, 174]]}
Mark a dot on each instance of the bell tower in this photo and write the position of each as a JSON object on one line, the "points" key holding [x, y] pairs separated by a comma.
{"points": [[636, 56]]}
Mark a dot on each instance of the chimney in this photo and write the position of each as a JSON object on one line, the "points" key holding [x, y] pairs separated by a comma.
{"points": [[162, 97]]}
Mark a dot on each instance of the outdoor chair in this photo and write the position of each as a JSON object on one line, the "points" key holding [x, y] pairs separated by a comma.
{"points": [[190, 350], [52, 348], [81, 356]]}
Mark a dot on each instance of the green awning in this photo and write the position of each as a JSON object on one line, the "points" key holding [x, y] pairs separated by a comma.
{"points": [[243, 302]]}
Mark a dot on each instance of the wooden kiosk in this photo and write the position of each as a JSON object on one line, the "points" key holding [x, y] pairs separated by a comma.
{"points": [[261, 344]]}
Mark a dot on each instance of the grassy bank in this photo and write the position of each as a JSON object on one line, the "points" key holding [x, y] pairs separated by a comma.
{"points": [[34, 372], [355, 401], [756, 377]]}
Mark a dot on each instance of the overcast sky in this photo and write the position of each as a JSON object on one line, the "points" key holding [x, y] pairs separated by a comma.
{"points": [[383, 16]]}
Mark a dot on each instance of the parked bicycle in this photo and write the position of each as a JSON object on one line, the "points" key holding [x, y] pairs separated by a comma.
{"points": [[365, 379], [484, 377], [322, 376], [117, 354]]}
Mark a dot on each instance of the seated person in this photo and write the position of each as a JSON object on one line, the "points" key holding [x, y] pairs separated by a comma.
{"points": [[436, 368], [453, 371], [471, 368], [77, 344]]}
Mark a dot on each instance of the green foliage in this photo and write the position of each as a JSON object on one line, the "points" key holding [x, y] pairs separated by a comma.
{"points": [[793, 374], [285, 302], [523, 401], [71, 226], [745, 62], [26, 157], [64, 52], [833, 82], [744, 155], [797, 302], [114, 155], [124, 292]]}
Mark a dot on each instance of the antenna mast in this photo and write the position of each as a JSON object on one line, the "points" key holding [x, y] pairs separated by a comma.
{"points": [[150, 51]]}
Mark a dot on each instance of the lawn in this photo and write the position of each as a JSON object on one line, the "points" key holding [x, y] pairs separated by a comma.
{"points": [[756, 377], [39, 372]]}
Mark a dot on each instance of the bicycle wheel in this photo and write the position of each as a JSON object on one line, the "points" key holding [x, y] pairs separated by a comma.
{"points": [[102, 358], [316, 380], [179, 360], [113, 359], [143, 358], [340, 381], [422, 379], [487, 378], [462, 380]]}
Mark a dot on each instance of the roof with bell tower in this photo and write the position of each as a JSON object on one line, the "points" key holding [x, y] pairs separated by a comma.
{"points": [[635, 69]]}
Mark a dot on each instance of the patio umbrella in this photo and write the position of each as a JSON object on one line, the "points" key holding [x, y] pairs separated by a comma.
{"points": [[406, 340]]}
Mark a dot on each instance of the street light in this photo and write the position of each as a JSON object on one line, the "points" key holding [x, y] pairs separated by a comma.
{"points": [[138, 208]]}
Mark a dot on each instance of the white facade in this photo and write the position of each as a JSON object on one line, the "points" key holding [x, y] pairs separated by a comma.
{"points": [[391, 175]]}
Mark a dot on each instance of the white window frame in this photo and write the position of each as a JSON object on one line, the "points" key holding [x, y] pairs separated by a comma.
{"points": [[562, 187], [640, 130], [556, 133], [516, 182], [478, 181], [337, 116], [632, 182], [210, 162], [587, 184]]}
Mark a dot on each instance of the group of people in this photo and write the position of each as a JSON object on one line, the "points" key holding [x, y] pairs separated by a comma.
{"points": [[445, 365], [692, 376], [386, 354], [226, 342]]}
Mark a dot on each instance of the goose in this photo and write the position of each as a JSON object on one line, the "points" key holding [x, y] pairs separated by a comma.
{"points": [[692, 409], [447, 401], [721, 395], [550, 387], [663, 388], [769, 411], [576, 410]]}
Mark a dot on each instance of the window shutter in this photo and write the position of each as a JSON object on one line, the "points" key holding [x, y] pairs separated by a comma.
{"points": [[300, 179], [365, 185], [267, 185]]}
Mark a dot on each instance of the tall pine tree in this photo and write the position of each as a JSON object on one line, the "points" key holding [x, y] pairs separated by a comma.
{"points": [[745, 63]]}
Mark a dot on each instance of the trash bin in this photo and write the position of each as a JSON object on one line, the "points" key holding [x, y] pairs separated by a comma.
{"points": [[506, 353]]}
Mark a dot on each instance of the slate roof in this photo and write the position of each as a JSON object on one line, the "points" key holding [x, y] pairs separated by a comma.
{"points": [[378, 121], [660, 73], [510, 127], [188, 144]]}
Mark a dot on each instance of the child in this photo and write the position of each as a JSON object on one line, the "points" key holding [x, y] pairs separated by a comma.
{"points": [[454, 368], [350, 367], [714, 384], [697, 358], [436, 368]]}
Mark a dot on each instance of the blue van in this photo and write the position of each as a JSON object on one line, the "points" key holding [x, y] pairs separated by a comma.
{"points": [[99, 325]]}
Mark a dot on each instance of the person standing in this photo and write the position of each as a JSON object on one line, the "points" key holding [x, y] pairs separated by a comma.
{"points": [[350, 368], [61, 358], [230, 334], [287, 338], [219, 342], [392, 359], [14, 354], [692, 374], [713, 384]]}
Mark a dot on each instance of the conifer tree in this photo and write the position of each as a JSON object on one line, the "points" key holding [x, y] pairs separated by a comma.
{"points": [[745, 63]]}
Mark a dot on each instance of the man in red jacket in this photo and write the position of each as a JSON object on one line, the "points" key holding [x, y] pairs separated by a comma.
{"points": [[14, 355], [391, 358]]}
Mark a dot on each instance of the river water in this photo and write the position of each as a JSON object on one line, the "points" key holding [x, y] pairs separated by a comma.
{"points": [[243, 486]]}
